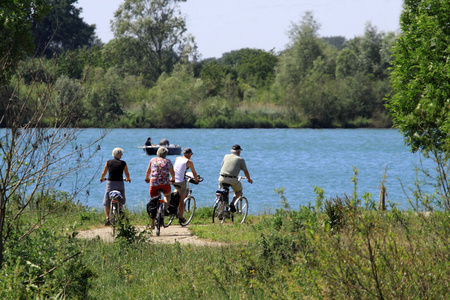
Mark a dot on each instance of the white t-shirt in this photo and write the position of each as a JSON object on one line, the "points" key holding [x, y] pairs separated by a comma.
{"points": [[180, 168]]}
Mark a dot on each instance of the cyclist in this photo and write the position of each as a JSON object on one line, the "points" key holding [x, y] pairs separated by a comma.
{"points": [[182, 163], [161, 170], [232, 164], [115, 169]]}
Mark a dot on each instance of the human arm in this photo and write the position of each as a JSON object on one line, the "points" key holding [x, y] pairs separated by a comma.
{"points": [[190, 165], [172, 174], [247, 174], [105, 170], [127, 175], [147, 173]]}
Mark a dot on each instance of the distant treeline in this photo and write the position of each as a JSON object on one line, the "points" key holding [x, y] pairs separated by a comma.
{"points": [[315, 82]]}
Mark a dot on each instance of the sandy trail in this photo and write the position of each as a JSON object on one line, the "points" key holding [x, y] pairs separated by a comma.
{"points": [[169, 235]]}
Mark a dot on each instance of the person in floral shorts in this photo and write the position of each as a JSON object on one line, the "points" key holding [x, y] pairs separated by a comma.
{"points": [[160, 174]]}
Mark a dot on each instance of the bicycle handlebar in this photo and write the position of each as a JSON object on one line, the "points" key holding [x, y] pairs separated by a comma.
{"points": [[192, 179]]}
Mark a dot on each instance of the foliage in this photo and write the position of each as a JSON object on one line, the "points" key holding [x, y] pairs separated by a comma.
{"points": [[315, 82], [158, 31], [419, 103], [254, 67], [330, 87], [35, 159], [62, 29], [16, 19], [173, 97], [48, 261]]}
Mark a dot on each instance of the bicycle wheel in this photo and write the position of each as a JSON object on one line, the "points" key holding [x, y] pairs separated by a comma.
{"points": [[218, 211], [159, 221], [189, 210], [241, 209], [113, 216], [168, 220]]}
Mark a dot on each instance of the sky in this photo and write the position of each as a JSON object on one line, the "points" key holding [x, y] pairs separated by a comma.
{"points": [[221, 26]]}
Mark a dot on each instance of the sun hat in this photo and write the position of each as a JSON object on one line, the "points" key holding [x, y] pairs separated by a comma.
{"points": [[236, 148]]}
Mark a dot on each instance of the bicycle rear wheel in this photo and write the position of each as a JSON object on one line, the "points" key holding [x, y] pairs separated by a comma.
{"points": [[241, 210], [218, 211], [114, 216], [159, 221], [189, 210]]}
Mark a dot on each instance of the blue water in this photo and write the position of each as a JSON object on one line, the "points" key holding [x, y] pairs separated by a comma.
{"points": [[296, 159]]}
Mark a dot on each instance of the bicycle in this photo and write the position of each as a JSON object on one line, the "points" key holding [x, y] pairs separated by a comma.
{"points": [[189, 202], [221, 209], [156, 210], [115, 207]]}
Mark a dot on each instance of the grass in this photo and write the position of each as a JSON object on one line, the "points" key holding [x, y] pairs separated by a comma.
{"points": [[337, 249]]}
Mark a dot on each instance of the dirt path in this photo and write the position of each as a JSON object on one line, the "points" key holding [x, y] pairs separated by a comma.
{"points": [[168, 235]]}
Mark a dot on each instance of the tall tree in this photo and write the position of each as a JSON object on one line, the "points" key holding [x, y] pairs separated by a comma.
{"points": [[16, 40], [305, 46], [159, 32], [419, 104], [62, 30]]}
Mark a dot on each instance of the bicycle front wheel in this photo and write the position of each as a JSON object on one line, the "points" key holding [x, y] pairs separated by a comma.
{"points": [[189, 210], [168, 220], [241, 210]]}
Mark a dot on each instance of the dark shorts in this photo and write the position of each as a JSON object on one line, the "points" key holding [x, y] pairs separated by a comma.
{"points": [[154, 189]]}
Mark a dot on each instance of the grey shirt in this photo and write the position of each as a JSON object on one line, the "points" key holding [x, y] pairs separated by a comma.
{"points": [[232, 164]]}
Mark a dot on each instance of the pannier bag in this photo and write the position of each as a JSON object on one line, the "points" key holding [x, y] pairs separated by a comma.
{"points": [[152, 206], [174, 202]]}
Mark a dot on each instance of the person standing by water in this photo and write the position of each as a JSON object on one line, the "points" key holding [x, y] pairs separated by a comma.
{"points": [[160, 174], [115, 169], [232, 164], [182, 163]]}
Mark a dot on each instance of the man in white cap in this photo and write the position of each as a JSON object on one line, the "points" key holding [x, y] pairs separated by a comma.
{"points": [[182, 163], [232, 164]]}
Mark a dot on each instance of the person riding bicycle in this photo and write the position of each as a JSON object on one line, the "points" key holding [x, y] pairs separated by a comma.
{"points": [[161, 171], [115, 167], [182, 163], [232, 164]]}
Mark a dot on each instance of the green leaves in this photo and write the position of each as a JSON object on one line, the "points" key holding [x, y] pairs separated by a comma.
{"points": [[420, 105], [159, 31]]}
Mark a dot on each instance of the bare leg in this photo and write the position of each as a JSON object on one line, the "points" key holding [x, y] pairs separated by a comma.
{"points": [[235, 197], [181, 205], [107, 208], [153, 224]]}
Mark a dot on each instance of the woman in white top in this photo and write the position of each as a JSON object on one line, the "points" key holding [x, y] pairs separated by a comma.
{"points": [[182, 163]]}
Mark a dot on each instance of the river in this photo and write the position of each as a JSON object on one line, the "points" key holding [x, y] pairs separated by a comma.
{"points": [[296, 159]]}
